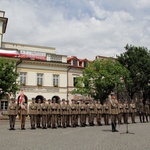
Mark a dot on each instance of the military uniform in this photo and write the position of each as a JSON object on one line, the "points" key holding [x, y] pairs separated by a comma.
{"points": [[59, 115], [83, 113], [23, 112], [106, 112], [64, 113], [44, 110], [33, 113], [120, 115], [54, 112], [141, 111], [125, 112], [114, 110], [49, 115], [133, 111], [73, 112], [12, 113], [91, 109], [68, 114], [39, 113], [99, 112], [147, 111]]}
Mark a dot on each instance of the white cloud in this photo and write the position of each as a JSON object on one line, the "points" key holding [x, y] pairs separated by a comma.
{"points": [[85, 29]]}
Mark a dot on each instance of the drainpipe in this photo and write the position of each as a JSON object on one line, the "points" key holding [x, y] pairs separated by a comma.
{"points": [[68, 81]]}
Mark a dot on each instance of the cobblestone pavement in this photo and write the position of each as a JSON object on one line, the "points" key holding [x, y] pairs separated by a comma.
{"points": [[88, 138]]}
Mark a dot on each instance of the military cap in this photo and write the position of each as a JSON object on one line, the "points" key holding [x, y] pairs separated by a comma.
{"points": [[63, 99], [49, 100], [67, 100], [33, 98]]}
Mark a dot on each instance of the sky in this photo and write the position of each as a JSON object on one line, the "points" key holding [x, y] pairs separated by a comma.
{"points": [[82, 28]]}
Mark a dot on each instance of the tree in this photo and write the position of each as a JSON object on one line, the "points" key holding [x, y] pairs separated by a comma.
{"points": [[137, 61], [8, 76], [100, 78]]}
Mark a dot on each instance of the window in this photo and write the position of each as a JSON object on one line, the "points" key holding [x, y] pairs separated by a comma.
{"points": [[85, 63], [4, 105], [23, 78], [74, 81], [55, 80], [39, 79], [75, 62]]}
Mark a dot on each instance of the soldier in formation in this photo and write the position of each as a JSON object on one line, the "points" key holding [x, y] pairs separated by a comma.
{"points": [[12, 113]]}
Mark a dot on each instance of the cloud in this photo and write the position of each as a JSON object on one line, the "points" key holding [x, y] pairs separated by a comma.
{"points": [[84, 28]]}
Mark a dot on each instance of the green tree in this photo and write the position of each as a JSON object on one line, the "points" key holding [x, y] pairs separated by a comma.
{"points": [[137, 61], [100, 78], [8, 76]]}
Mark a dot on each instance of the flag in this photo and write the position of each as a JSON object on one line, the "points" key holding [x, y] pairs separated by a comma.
{"points": [[21, 98]]}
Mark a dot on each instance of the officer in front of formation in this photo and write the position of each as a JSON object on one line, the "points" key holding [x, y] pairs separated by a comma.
{"points": [[12, 113], [106, 112], [33, 113], [114, 105]]}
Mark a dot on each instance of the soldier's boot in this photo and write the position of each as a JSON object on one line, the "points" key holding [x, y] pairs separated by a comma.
{"points": [[11, 128], [113, 127]]}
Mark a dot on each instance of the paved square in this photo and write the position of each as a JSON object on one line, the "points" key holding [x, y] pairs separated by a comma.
{"points": [[85, 138]]}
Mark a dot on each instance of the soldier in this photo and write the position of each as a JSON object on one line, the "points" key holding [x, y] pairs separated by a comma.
{"points": [[64, 113], [23, 113], [126, 112], [106, 112], [68, 114], [133, 111], [73, 112], [12, 113], [44, 111], [146, 108], [114, 106], [82, 112], [54, 112], [91, 112], [38, 116], [77, 113], [49, 115], [141, 111], [33, 113], [99, 112], [59, 115], [120, 115]]}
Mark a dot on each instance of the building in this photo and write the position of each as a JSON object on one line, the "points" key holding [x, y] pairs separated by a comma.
{"points": [[43, 73], [75, 70]]}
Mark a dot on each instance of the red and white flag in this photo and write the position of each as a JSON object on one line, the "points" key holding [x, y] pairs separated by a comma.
{"points": [[21, 98]]}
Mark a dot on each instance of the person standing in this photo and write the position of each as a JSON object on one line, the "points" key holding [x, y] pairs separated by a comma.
{"points": [[12, 113], [91, 112], [38, 116], [146, 107], [114, 106], [54, 112], [132, 111], [73, 113], [64, 113], [106, 112], [33, 113], [82, 113], [126, 112], [44, 110], [59, 114], [120, 115], [99, 112], [23, 112], [68, 114], [49, 115], [141, 111]]}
